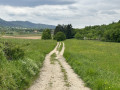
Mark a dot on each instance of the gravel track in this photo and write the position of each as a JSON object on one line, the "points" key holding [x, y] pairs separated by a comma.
{"points": [[53, 78]]}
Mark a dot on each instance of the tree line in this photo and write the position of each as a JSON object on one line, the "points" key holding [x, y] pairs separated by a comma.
{"points": [[61, 33], [110, 32], [104, 32]]}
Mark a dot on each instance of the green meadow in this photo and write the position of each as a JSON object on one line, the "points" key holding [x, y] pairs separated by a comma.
{"points": [[96, 62], [19, 74]]}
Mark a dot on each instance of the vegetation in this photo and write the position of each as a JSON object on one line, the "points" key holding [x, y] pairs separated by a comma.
{"points": [[24, 24], [109, 32], [60, 36], [61, 46], [66, 29], [46, 34], [19, 31], [12, 51], [53, 58], [19, 73], [64, 74], [97, 63], [78, 36]]}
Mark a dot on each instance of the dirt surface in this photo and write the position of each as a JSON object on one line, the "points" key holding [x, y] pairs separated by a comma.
{"points": [[23, 37], [57, 76]]}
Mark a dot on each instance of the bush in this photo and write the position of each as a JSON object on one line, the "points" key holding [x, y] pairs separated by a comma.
{"points": [[1, 52], [13, 52], [103, 39], [78, 36], [112, 35], [60, 36], [1, 55], [46, 34]]}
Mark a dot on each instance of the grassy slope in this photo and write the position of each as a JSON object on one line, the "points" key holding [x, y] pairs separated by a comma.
{"points": [[18, 74], [98, 63]]}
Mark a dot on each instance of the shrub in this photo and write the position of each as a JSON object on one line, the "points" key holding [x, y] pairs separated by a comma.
{"points": [[1, 55], [1, 52], [78, 36], [103, 39], [46, 34], [112, 35], [13, 52], [60, 36]]}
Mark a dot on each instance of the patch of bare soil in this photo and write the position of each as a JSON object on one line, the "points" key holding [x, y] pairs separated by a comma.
{"points": [[23, 37]]}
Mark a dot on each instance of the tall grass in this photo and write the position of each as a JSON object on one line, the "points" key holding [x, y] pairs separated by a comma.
{"points": [[19, 74], [97, 63], [59, 48]]}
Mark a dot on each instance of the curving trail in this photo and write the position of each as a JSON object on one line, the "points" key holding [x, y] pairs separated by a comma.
{"points": [[57, 76]]}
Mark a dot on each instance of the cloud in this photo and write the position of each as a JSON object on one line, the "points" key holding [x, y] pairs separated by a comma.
{"points": [[35, 2], [77, 12], [109, 12]]}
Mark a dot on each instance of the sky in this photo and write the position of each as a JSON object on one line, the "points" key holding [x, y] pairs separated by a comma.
{"points": [[79, 13]]}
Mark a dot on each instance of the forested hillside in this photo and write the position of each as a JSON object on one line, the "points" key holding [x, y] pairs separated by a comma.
{"points": [[103, 32]]}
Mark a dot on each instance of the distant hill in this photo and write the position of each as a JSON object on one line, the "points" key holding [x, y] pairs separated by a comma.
{"points": [[24, 24]]}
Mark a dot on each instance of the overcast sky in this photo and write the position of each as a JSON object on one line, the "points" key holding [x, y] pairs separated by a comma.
{"points": [[79, 13]]}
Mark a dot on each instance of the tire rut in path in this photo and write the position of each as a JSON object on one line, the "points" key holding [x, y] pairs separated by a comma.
{"points": [[57, 76]]}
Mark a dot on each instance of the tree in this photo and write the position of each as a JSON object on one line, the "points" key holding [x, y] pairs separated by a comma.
{"points": [[59, 28], [46, 34], [49, 32], [90, 35], [66, 29], [119, 21], [115, 35], [69, 31], [78, 36], [60, 36]]}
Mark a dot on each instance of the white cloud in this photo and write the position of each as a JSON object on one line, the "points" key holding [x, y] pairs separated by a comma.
{"points": [[80, 14]]}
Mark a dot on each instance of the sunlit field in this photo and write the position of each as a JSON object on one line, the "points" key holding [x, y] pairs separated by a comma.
{"points": [[96, 62]]}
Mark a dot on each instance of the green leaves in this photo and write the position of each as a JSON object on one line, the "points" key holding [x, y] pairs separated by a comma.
{"points": [[66, 29], [60, 36], [46, 34], [13, 52], [78, 36]]}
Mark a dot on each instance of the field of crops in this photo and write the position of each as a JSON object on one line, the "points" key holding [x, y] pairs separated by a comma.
{"points": [[19, 74], [97, 63]]}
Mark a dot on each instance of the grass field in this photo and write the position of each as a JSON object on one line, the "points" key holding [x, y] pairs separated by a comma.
{"points": [[19, 74], [97, 63]]}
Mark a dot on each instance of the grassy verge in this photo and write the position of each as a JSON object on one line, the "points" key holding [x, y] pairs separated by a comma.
{"points": [[59, 48], [19, 74], [53, 58], [64, 74], [97, 63]]}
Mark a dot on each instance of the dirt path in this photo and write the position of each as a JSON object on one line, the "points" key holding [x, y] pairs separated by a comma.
{"points": [[56, 74], [23, 37]]}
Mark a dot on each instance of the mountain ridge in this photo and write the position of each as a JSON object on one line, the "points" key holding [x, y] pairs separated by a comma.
{"points": [[25, 24]]}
